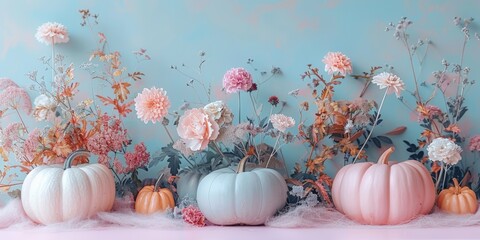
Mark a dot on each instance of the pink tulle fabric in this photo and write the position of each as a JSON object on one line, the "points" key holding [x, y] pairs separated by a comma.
{"points": [[12, 216], [321, 217]]}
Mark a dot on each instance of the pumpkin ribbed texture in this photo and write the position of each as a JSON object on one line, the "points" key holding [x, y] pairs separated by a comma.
{"points": [[458, 200], [384, 192]]}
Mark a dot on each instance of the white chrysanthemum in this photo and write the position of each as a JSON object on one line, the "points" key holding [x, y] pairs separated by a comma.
{"points": [[445, 150], [349, 126], [390, 81], [297, 191], [220, 112], [281, 122], [43, 105]]}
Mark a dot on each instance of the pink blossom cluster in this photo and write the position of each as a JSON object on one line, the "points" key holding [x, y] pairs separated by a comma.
{"points": [[14, 97], [30, 146], [192, 215], [111, 137], [474, 144], [237, 79], [10, 135], [137, 159]]}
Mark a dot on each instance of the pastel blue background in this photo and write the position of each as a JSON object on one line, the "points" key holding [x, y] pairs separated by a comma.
{"points": [[285, 33]]}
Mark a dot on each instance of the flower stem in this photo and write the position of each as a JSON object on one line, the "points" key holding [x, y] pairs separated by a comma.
{"points": [[373, 127], [439, 177], [53, 60], [168, 133], [239, 108], [21, 119], [273, 150]]}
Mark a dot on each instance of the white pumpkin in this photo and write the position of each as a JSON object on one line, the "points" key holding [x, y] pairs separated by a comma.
{"points": [[56, 193], [228, 197]]}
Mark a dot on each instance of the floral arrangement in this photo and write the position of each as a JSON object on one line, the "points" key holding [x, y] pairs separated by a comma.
{"points": [[69, 122], [339, 127], [208, 137], [206, 134], [441, 135]]}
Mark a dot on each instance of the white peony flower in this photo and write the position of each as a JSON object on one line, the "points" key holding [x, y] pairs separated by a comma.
{"points": [[43, 105], [445, 150], [281, 122], [220, 112]]}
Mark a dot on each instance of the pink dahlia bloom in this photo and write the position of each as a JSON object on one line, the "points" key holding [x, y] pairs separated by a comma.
{"points": [[390, 81], [197, 127], [193, 216], [52, 33], [474, 144], [237, 79], [281, 122], [152, 105], [337, 62]]}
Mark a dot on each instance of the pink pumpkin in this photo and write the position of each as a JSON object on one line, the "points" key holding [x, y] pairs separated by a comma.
{"points": [[383, 193]]}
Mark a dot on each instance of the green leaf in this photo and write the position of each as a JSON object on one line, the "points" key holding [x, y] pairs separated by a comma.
{"points": [[174, 164], [385, 139], [377, 142]]}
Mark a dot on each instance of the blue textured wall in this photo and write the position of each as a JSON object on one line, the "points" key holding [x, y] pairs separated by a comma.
{"points": [[285, 33]]}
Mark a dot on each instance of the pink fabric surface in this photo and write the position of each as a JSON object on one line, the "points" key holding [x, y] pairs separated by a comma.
{"points": [[246, 233], [303, 224]]}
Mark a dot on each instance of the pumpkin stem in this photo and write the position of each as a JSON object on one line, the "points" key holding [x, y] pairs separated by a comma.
{"points": [[456, 185], [241, 164], [385, 156], [155, 189], [73, 155]]}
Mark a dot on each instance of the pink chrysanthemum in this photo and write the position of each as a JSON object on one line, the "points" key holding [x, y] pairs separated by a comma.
{"points": [[474, 144], [237, 79], [16, 98], [281, 122], [152, 105], [193, 216], [52, 33], [337, 62], [390, 81]]}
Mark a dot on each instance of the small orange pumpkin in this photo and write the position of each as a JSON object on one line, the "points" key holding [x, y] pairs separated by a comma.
{"points": [[456, 199], [153, 199]]}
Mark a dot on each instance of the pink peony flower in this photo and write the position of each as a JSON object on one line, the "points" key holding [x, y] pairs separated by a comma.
{"points": [[281, 122], [337, 62], [193, 216], [197, 127], [474, 144], [237, 79], [52, 33], [152, 105], [390, 81]]}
